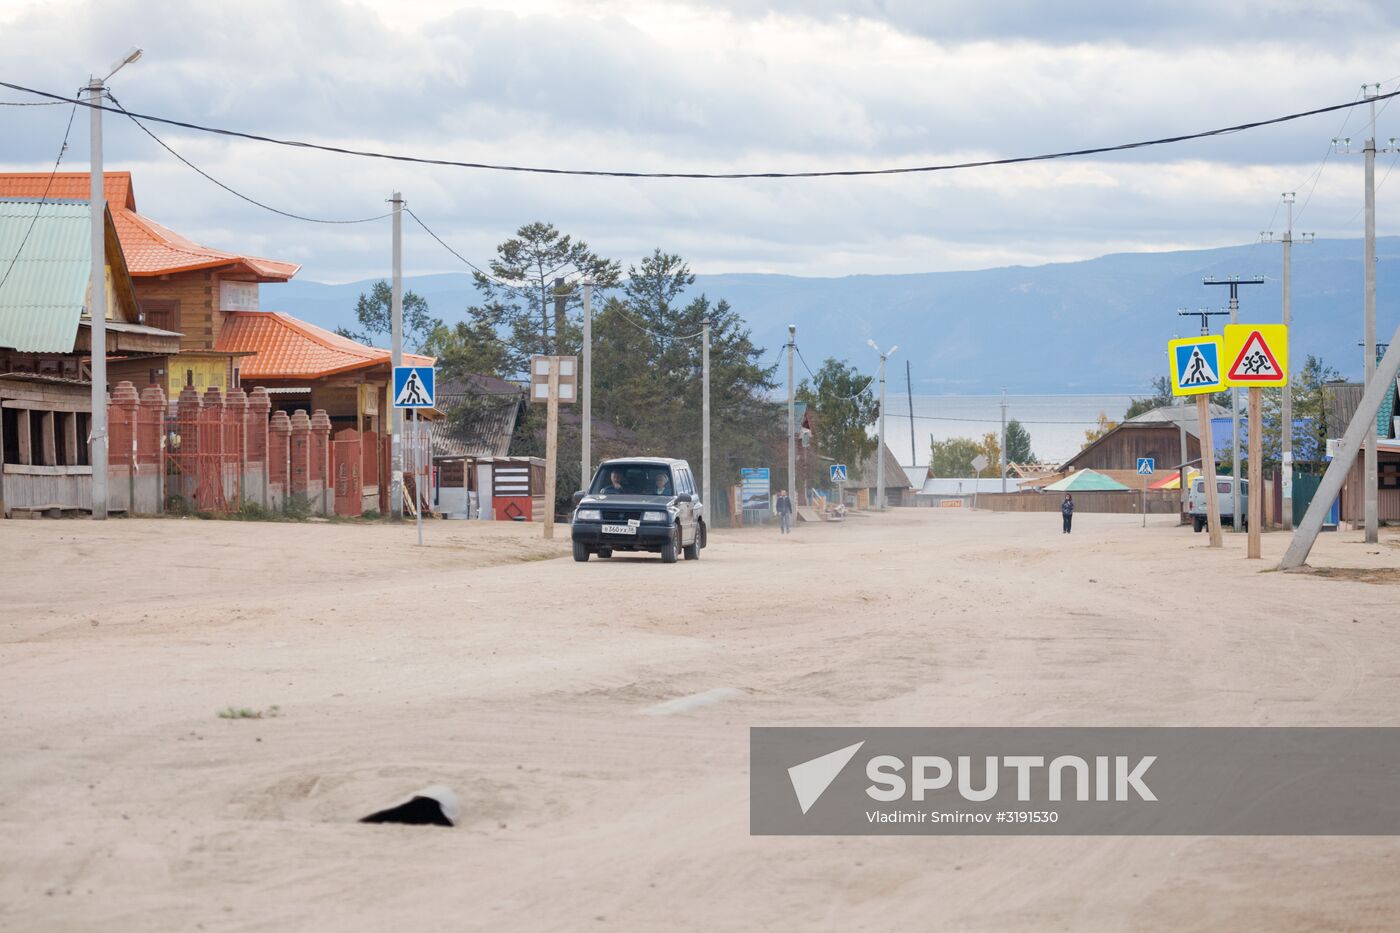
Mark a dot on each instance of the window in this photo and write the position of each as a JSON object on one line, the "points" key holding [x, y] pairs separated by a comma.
{"points": [[163, 313], [9, 438]]}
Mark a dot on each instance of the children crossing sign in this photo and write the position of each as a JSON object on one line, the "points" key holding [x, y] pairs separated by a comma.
{"points": [[413, 387], [1195, 365], [1258, 354]]}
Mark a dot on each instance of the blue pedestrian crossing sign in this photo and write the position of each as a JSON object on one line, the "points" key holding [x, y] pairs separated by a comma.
{"points": [[838, 473], [414, 387], [1195, 365], [1146, 465]]}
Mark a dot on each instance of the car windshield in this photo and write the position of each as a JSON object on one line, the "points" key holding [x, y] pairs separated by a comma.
{"points": [[636, 479]]}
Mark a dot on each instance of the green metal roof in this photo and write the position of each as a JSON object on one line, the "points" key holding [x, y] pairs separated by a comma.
{"points": [[1085, 481], [43, 297]]}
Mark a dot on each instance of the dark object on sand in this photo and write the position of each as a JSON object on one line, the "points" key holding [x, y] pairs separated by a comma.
{"points": [[431, 806]]}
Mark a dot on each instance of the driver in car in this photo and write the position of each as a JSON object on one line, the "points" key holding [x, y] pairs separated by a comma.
{"points": [[614, 485]]}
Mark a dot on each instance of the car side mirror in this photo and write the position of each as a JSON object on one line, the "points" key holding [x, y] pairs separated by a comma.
{"points": [[578, 497], [684, 497]]}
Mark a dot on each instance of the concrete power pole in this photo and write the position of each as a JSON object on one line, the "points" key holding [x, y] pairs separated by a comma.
{"points": [[1369, 364], [880, 431], [97, 305], [1003, 440], [792, 411], [705, 421], [1287, 413], [1234, 282], [396, 351], [1369, 370], [586, 390], [560, 296], [909, 389]]}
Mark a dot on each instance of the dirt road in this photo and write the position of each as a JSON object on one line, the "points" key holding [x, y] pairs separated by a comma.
{"points": [[531, 686]]}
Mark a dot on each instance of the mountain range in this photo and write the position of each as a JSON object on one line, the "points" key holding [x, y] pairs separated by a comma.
{"points": [[1096, 325]]}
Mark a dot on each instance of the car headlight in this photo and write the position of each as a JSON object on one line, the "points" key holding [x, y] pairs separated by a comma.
{"points": [[589, 515], [654, 516]]}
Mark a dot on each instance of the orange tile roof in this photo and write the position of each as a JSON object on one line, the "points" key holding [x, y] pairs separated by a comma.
{"points": [[150, 248], [287, 348]]}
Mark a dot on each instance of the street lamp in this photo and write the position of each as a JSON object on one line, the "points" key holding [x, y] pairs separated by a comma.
{"points": [[97, 284], [880, 431]]}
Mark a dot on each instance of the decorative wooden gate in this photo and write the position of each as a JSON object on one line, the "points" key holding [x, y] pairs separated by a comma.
{"points": [[347, 463]]}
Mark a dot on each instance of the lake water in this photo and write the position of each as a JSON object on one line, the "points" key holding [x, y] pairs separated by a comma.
{"points": [[1056, 422]]}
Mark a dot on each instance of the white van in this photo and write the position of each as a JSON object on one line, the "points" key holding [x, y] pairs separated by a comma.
{"points": [[1225, 488]]}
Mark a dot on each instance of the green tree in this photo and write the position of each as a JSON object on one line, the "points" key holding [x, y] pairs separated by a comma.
{"points": [[1018, 443], [647, 379], [1161, 395], [953, 457], [466, 348], [519, 296], [845, 407], [374, 312]]}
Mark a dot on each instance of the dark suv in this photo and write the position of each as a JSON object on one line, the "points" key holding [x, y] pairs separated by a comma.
{"points": [[640, 504]]}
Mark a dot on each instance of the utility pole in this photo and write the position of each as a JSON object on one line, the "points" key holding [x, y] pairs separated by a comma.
{"points": [[880, 431], [909, 387], [97, 285], [97, 304], [1234, 282], [396, 353], [792, 411], [586, 419], [1369, 442], [1287, 414], [560, 295], [705, 420], [1003, 439]]}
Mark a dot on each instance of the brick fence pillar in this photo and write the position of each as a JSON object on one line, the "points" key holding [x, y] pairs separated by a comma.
{"points": [[299, 453], [279, 434], [321, 459], [123, 409], [150, 449], [255, 444]]}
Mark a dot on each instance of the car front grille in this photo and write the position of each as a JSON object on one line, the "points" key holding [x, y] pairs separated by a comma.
{"points": [[620, 515]]}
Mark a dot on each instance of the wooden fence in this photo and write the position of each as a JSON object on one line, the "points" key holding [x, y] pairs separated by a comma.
{"points": [[1128, 502]]}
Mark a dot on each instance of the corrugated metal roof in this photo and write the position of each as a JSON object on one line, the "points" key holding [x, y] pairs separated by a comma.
{"points": [[43, 297], [474, 425]]}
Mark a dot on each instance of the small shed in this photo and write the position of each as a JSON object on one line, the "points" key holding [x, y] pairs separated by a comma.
{"points": [[43, 445]]}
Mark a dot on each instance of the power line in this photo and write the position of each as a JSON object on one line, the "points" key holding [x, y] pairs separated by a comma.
{"points": [[238, 194], [846, 173], [63, 147], [816, 378]]}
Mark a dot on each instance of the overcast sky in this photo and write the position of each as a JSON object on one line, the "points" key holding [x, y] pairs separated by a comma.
{"points": [[721, 86]]}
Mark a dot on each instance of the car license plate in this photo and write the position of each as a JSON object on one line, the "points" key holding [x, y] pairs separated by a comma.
{"points": [[619, 529]]}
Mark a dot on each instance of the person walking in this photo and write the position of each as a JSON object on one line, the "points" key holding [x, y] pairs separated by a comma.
{"points": [[1067, 510], [784, 509]]}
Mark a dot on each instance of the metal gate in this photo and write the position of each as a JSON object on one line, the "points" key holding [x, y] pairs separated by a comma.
{"points": [[347, 459]]}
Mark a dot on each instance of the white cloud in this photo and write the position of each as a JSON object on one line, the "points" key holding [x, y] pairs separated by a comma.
{"points": [[667, 86]]}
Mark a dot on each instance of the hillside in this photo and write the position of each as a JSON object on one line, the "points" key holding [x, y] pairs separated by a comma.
{"points": [[1098, 325]]}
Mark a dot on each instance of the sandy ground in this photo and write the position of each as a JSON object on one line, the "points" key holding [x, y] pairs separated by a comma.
{"points": [[126, 803]]}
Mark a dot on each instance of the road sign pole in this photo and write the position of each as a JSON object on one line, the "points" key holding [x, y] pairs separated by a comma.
{"points": [[1256, 473], [418, 471], [551, 447], [1208, 470], [1144, 503]]}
